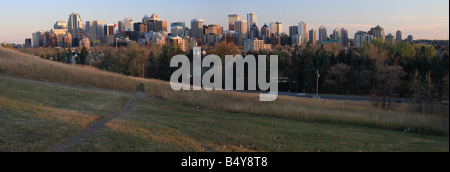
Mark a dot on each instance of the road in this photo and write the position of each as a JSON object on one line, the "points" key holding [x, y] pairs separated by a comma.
{"points": [[329, 96]]}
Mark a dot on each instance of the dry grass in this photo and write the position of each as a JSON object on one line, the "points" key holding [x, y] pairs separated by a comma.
{"points": [[23, 65], [325, 111]]}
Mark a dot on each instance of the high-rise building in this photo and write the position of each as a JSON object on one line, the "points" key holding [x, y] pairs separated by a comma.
{"points": [[60, 25], [323, 35], [75, 26], [128, 24], [410, 39], [160, 26], [197, 28], [109, 33], [145, 19], [256, 45], [240, 26], [254, 32], [121, 27], [293, 30], [362, 37], [140, 27], [378, 32], [312, 37], [85, 42], [337, 36], [297, 39], [251, 20], [232, 18], [303, 32], [59, 35], [398, 36], [276, 28], [94, 30], [177, 30], [152, 22], [390, 38], [214, 29], [344, 37], [265, 33]]}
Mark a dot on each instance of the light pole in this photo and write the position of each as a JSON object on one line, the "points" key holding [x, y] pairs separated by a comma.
{"points": [[317, 84]]}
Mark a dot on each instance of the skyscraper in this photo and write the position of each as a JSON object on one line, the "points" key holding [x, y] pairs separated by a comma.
{"points": [[160, 25], [94, 30], [60, 25], [337, 35], [254, 32], [145, 19], [128, 24], [121, 25], [344, 37], [276, 28], [265, 33], [312, 37], [293, 30], [251, 20], [140, 27], [398, 36], [197, 28], [378, 32], [75, 26], [152, 23], [109, 29], [240, 26], [232, 18], [323, 35], [303, 32]]}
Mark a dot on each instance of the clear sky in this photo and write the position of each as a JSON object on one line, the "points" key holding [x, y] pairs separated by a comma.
{"points": [[424, 19]]}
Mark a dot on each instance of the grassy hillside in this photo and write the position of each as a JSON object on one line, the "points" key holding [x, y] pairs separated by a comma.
{"points": [[35, 116], [18, 64]]}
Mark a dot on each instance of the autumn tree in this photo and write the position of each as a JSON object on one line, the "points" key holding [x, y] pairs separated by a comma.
{"points": [[337, 78]]}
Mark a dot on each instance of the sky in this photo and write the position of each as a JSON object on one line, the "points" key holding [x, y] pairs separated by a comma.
{"points": [[424, 19]]}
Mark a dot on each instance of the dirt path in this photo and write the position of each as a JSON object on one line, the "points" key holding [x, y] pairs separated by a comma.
{"points": [[95, 126]]}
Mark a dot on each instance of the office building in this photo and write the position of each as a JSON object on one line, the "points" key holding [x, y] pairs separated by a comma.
{"points": [[145, 19], [128, 24], [94, 30], [75, 26], [344, 37], [140, 27], [323, 35], [177, 31], [265, 33], [27, 42], [232, 18], [214, 29], [240, 26], [254, 32], [251, 20], [276, 28], [121, 27], [60, 25], [85, 42], [59, 36], [293, 30], [312, 37], [303, 32], [197, 28], [256, 45], [160, 26], [398, 36]]}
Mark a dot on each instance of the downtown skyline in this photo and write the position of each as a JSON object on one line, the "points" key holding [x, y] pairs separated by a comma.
{"points": [[423, 19]]}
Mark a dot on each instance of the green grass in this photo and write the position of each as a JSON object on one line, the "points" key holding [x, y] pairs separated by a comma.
{"points": [[158, 125], [35, 116]]}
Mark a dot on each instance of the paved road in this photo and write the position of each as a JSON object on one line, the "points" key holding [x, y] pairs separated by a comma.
{"points": [[329, 96]]}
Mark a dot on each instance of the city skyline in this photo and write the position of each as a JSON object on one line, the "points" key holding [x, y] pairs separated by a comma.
{"points": [[422, 19]]}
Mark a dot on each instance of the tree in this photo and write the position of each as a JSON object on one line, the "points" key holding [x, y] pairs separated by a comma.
{"points": [[388, 77], [81, 57], [336, 78], [221, 49]]}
